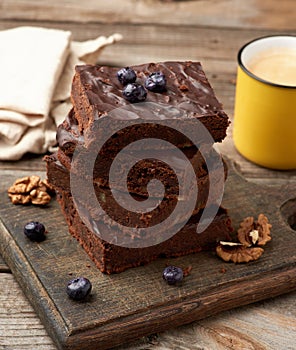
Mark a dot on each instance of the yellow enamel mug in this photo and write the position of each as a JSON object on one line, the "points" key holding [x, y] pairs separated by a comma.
{"points": [[264, 129]]}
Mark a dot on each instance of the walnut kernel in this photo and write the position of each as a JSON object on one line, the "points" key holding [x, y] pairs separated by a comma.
{"points": [[39, 197], [19, 198], [238, 253], [253, 232], [30, 189]]}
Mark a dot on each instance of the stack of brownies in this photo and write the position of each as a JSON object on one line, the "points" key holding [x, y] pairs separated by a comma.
{"points": [[86, 154]]}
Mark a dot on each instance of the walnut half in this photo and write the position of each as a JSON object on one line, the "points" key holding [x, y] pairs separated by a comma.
{"points": [[30, 189], [237, 252], [253, 232], [250, 235]]}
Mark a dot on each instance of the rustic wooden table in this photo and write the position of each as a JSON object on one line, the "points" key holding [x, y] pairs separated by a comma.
{"points": [[154, 30]]}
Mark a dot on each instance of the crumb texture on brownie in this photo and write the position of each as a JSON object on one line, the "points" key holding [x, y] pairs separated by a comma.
{"points": [[60, 178], [110, 258]]}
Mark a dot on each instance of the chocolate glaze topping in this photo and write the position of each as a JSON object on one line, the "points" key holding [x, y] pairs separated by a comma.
{"points": [[187, 88], [96, 92], [68, 134]]}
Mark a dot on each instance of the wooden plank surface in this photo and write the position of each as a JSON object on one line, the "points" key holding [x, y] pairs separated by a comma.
{"points": [[124, 306], [223, 13], [3, 266], [210, 31], [268, 325]]}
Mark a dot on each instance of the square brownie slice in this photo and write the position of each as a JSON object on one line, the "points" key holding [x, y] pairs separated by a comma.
{"points": [[97, 93], [59, 177], [112, 258]]}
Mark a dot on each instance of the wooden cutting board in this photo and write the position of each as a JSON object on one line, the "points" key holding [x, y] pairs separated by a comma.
{"points": [[137, 302]]}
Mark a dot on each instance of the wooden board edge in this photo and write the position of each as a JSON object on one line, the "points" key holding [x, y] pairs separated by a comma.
{"points": [[161, 317], [122, 330], [3, 266], [193, 308], [29, 281]]}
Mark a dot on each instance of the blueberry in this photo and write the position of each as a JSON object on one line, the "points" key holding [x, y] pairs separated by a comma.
{"points": [[172, 274], [134, 92], [156, 82], [35, 231], [79, 288], [126, 75]]}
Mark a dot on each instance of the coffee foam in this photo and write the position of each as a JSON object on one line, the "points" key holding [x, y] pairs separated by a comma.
{"points": [[276, 65]]}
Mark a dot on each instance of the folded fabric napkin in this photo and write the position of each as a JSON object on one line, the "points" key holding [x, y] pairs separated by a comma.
{"points": [[36, 70]]}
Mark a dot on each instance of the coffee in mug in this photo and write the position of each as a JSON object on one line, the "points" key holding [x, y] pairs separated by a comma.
{"points": [[265, 103], [276, 66]]}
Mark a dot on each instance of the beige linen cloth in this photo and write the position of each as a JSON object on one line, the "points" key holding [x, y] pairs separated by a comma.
{"points": [[36, 71]]}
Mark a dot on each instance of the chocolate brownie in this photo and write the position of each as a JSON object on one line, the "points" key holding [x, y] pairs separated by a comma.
{"points": [[97, 97], [59, 177], [69, 136], [170, 168], [111, 258], [144, 167], [186, 119]]}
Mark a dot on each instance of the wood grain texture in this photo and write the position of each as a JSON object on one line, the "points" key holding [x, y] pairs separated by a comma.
{"points": [[260, 326], [265, 325], [124, 307], [223, 13], [29, 163], [3, 266], [206, 30], [216, 49], [18, 321]]}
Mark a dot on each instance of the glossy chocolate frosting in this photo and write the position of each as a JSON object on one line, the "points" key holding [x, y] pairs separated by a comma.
{"points": [[97, 95], [187, 88]]}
